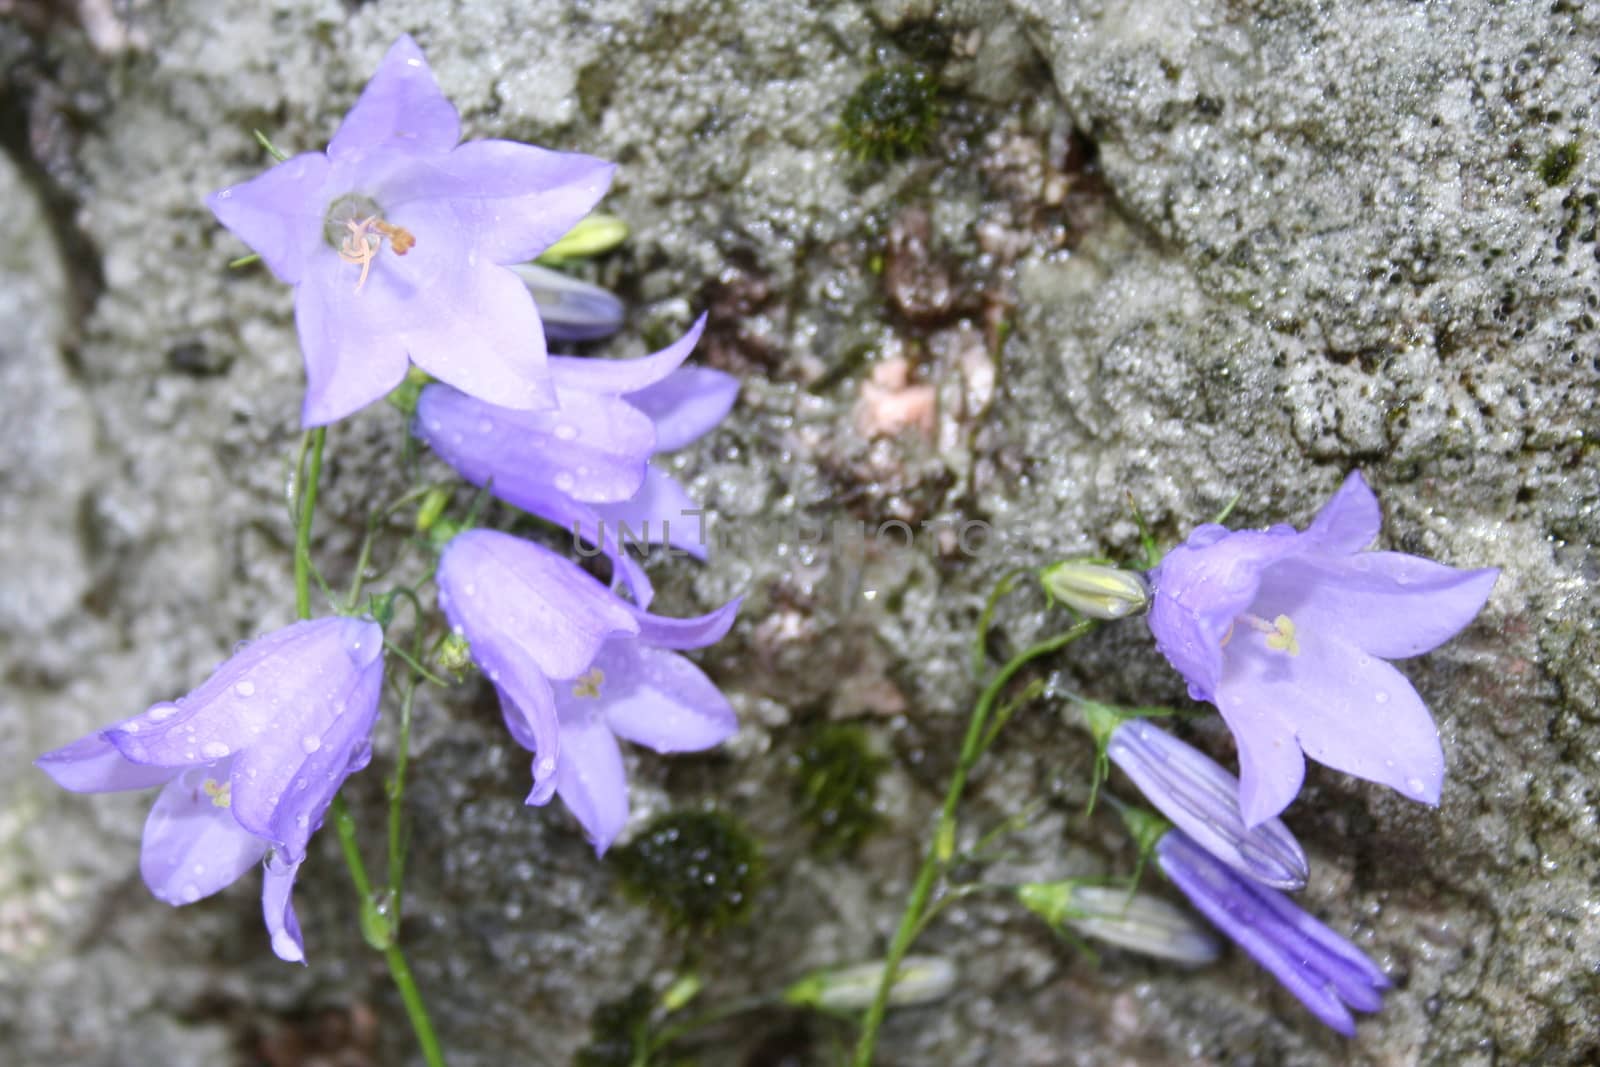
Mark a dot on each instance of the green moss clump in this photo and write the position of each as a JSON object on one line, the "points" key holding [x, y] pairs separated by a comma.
{"points": [[618, 1030], [893, 111], [699, 869], [836, 787], [1557, 165]]}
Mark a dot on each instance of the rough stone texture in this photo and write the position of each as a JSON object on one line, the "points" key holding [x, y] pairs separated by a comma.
{"points": [[1177, 251]]}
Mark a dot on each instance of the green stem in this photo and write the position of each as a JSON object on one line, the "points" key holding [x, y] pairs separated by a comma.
{"points": [[309, 473], [942, 844]]}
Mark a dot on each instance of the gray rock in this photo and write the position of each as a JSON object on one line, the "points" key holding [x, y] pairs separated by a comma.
{"points": [[1178, 252]]}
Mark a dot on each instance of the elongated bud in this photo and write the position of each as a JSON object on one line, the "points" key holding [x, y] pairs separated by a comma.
{"points": [[1137, 922], [921, 980], [592, 236], [1202, 800], [571, 310], [1097, 591]]}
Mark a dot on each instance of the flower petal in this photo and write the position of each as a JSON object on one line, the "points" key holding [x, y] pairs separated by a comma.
{"points": [[1387, 603], [591, 780], [277, 909], [93, 765], [594, 449], [618, 376], [1271, 767], [529, 710], [279, 213], [510, 595], [401, 107], [1348, 522], [347, 339], [654, 698], [1198, 591], [697, 632], [686, 404], [510, 201], [661, 512], [478, 330], [193, 846]]}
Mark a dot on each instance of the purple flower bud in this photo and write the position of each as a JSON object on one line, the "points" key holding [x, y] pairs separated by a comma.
{"points": [[249, 763], [571, 310], [1202, 800], [585, 466], [1326, 972], [397, 241], [576, 668], [1289, 634]]}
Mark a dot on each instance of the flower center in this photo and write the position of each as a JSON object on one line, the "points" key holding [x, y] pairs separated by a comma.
{"points": [[588, 685], [1280, 632], [355, 227], [221, 793]]}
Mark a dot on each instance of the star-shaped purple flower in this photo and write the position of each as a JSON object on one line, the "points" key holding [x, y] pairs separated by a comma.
{"points": [[576, 668], [397, 241], [248, 762], [1289, 634], [585, 466]]}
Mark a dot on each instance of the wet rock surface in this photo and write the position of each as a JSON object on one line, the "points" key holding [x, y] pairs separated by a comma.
{"points": [[1239, 249]]}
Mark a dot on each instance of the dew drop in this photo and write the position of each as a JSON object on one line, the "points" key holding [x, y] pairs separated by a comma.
{"points": [[433, 424], [310, 742], [564, 481], [226, 194], [470, 589], [130, 727], [1415, 785], [566, 432], [302, 820], [213, 750], [162, 712], [1380, 697], [245, 688], [485, 426], [191, 893]]}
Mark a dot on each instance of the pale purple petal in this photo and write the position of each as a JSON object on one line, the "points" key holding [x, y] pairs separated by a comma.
{"points": [[593, 449], [510, 201], [279, 213], [93, 765], [245, 698], [1198, 591], [591, 780], [277, 908], [531, 717], [653, 697], [192, 844], [1345, 708], [347, 340], [284, 781], [696, 632], [481, 334], [505, 593], [661, 512], [582, 522], [1349, 521], [1202, 799], [618, 376], [1389, 604], [686, 404], [401, 107]]}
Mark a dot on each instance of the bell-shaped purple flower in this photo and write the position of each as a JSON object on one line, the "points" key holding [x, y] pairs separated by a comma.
{"points": [[1202, 799], [248, 762], [576, 667], [1288, 633], [397, 241], [1325, 971], [585, 466]]}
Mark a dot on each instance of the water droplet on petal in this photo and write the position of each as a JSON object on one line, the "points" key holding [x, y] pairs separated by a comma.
{"points": [[245, 688], [213, 750], [1415, 785], [191, 893], [566, 432], [161, 712], [310, 742], [1380, 697], [564, 481]]}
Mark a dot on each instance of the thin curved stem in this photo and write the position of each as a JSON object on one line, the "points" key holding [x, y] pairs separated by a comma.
{"points": [[942, 845]]}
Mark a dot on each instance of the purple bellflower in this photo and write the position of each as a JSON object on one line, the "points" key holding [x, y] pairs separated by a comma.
{"points": [[585, 466], [1202, 799], [576, 667], [397, 239], [1289, 634], [1326, 972], [248, 763]]}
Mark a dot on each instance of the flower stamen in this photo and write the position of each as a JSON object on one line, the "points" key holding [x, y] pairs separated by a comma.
{"points": [[366, 237], [1280, 632], [221, 794], [589, 684]]}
